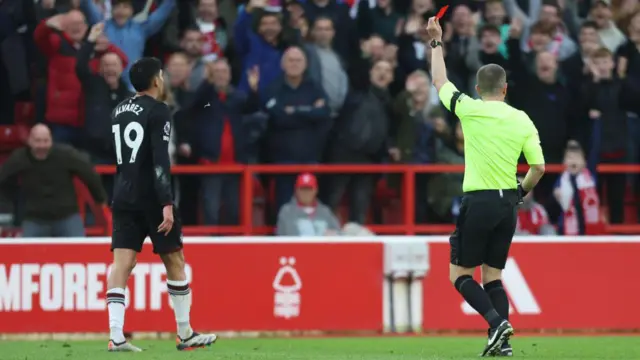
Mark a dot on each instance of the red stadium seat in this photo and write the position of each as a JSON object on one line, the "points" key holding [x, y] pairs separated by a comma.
{"points": [[12, 137]]}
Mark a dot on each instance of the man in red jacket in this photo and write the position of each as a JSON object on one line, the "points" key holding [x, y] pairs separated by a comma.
{"points": [[59, 38]]}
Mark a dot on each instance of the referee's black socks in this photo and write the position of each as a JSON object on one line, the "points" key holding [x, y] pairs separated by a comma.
{"points": [[498, 298], [473, 293]]}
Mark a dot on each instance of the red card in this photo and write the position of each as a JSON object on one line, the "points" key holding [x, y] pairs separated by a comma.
{"points": [[440, 13]]}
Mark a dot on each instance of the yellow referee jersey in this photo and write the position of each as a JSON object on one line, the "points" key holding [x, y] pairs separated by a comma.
{"points": [[494, 136]]}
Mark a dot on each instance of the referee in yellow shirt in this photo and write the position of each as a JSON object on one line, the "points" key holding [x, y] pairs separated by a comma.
{"points": [[495, 134]]}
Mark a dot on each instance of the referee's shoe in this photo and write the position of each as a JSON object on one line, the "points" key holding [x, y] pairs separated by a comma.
{"points": [[497, 337]]}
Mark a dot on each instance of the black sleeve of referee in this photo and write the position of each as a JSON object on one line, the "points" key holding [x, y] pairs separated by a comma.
{"points": [[160, 126]]}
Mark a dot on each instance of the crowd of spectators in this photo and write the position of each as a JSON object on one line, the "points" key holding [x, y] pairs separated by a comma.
{"points": [[339, 82]]}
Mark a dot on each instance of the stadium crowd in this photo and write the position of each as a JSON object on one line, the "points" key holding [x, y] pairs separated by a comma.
{"points": [[339, 82]]}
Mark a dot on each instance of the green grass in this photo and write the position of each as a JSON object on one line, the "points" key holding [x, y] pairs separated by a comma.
{"points": [[382, 348]]}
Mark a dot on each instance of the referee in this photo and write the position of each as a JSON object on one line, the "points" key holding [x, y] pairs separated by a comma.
{"points": [[495, 134]]}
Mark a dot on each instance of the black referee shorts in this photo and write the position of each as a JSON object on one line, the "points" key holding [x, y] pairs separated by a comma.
{"points": [[484, 228], [131, 228]]}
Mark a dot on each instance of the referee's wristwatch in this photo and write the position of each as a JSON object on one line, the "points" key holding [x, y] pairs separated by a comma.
{"points": [[435, 43]]}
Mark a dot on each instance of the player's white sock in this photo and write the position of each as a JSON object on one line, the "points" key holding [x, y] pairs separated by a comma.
{"points": [[115, 304], [181, 299]]}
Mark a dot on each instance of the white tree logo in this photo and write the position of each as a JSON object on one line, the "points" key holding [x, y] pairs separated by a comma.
{"points": [[287, 297]]}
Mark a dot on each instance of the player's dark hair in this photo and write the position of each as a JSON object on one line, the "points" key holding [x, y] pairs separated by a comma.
{"points": [[143, 72], [491, 79]]}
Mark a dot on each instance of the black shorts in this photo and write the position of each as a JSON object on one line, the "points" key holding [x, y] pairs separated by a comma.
{"points": [[484, 228], [131, 228]]}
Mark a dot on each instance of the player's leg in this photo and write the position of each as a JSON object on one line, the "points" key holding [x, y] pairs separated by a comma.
{"points": [[180, 293], [169, 247], [474, 227], [497, 254], [126, 242], [492, 280]]}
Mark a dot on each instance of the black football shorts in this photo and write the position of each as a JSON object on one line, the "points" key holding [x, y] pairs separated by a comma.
{"points": [[484, 228], [131, 228]]}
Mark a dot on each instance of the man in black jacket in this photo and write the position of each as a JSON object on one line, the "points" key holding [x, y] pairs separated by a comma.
{"points": [[102, 93], [360, 136], [550, 105], [46, 172]]}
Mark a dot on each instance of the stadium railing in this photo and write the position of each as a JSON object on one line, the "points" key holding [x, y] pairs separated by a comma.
{"points": [[407, 226]]}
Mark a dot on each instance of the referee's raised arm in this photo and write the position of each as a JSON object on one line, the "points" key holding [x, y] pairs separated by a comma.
{"points": [[454, 100]]}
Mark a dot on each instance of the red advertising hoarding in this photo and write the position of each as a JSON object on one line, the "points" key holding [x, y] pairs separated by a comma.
{"points": [[551, 285], [245, 284], [61, 288]]}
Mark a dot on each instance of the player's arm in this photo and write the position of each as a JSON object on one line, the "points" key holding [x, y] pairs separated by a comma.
{"points": [[160, 126], [453, 100], [535, 158], [438, 68]]}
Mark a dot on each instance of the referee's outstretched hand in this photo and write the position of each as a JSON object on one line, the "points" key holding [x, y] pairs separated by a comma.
{"points": [[167, 220], [434, 29]]}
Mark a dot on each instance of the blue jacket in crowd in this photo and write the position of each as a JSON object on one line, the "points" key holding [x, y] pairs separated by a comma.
{"points": [[131, 37], [299, 136], [203, 120], [255, 51]]}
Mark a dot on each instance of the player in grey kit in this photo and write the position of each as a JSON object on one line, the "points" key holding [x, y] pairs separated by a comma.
{"points": [[143, 204]]}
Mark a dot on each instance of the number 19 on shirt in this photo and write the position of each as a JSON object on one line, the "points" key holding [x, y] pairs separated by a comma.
{"points": [[133, 141]]}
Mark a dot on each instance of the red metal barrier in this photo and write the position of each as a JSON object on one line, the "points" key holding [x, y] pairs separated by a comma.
{"points": [[408, 225]]}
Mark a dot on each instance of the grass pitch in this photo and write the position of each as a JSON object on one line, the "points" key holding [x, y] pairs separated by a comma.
{"points": [[380, 348]]}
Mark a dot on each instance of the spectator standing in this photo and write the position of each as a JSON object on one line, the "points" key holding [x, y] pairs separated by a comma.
{"points": [[46, 172], [549, 104], [192, 45], [59, 38], [217, 135], [178, 73], [299, 121], [305, 215], [262, 48], [381, 20], [543, 97], [102, 92], [576, 193], [411, 41], [548, 13], [606, 98], [575, 68], [123, 31], [17, 23], [361, 136], [457, 40], [347, 43], [414, 134], [609, 33], [213, 29], [325, 66], [485, 49], [495, 14]]}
